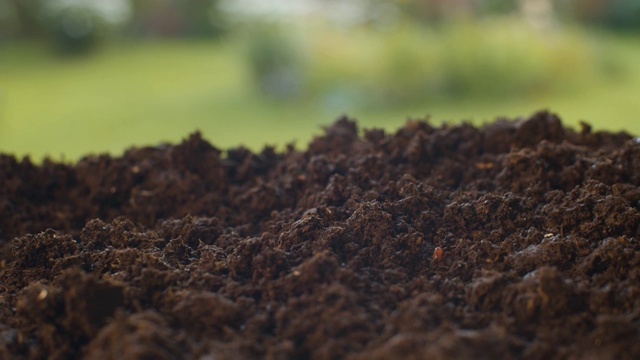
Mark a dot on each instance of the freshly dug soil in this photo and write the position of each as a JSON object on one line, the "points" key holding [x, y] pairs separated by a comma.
{"points": [[518, 239]]}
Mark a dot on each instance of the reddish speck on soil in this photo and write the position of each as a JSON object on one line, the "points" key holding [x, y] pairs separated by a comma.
{"points": [[188, 252], [437, 253]]}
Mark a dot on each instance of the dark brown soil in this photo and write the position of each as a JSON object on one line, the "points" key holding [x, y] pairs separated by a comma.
{"points": [[189, 252]]}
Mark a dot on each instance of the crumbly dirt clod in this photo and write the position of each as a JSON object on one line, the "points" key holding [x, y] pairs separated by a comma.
{"points": [[189, 252]]}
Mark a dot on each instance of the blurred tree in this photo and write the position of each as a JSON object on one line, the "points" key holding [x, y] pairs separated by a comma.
{"points": [[28, 17], [176, 18], [202, 17], [436, 11], [72, 25], [616, 14], [8, 22], [496, 6], [626, 14]]}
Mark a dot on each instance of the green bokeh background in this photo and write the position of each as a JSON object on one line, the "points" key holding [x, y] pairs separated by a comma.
{"points": [[145, 91]]}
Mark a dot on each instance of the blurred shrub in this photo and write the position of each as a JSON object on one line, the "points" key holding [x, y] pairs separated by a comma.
{"points": [[76, 29], [496, 6], [276, 61], [503, 57], [499, 57]]}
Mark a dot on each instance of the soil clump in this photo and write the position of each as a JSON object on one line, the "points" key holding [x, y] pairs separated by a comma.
{"points": [[517, 239]]}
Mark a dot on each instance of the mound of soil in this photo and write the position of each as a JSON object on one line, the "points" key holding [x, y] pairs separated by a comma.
{"points": [[518, 239]]}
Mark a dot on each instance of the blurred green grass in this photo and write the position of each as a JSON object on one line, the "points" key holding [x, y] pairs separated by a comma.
{"points": [[151, 92]]}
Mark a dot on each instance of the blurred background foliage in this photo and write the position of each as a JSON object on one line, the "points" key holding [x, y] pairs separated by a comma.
{"points": [[82, 76]]}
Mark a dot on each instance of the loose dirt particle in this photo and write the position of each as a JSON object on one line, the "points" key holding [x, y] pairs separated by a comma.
{"points": [[437, 253]]}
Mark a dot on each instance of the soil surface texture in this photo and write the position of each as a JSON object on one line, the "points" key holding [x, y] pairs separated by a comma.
{"points": [[518, 239]]}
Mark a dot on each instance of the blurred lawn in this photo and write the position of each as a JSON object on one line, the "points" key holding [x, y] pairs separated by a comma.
{"points": [[146, 93]]}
